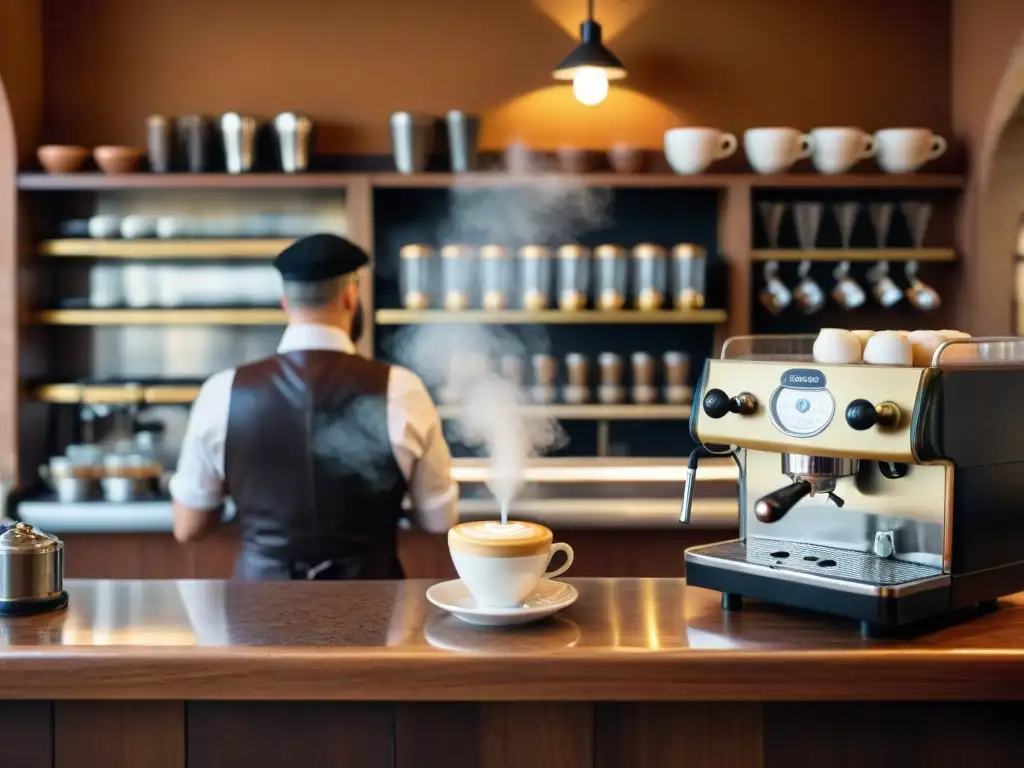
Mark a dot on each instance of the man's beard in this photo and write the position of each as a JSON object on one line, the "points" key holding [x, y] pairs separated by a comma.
{"points": [[358, 324]]}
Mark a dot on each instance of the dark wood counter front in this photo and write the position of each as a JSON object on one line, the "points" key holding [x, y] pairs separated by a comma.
{"points": [[637, 674]]}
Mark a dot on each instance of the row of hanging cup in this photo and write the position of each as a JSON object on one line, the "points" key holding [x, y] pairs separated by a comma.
{"points": [[810, 297], [808, 215]]}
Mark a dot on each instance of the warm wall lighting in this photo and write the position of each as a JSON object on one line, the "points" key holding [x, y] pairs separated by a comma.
{"points": [[590, 66]]}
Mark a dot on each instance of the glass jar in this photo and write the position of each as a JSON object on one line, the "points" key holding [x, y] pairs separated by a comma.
{"points": [[677, 375], [610, 391], [535, 277], [457, 265], [612, 276], [644, 392], [495, 277], [573, 277], [545, 369], [414, 275], [689, 270], [649, 276], [576, 391]]}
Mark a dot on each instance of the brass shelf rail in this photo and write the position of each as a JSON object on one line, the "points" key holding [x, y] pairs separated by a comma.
{"points": [[85, 317], [551, 317], [150, 248]]}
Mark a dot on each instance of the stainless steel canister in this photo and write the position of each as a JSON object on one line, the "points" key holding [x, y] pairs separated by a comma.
{"points": [[31, 571]]}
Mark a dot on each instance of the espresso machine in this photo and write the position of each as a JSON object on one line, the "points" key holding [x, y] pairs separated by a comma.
{"points": [[887, 494]]}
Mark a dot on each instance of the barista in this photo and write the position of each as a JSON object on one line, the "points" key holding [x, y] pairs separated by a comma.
{"points": [[316, 445]]}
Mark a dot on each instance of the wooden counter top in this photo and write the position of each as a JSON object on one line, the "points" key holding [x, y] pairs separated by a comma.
{"points": [[625, 639]]}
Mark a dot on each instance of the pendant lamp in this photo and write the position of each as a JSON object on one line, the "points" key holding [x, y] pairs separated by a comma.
{"points": [[590, 66]]}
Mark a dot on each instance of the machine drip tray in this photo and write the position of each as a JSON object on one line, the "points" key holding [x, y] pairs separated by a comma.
{"points": [[796, 560]]}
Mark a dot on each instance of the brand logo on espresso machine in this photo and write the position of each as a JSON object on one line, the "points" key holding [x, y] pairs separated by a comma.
{"points": [[803, 378], [802, 406]]}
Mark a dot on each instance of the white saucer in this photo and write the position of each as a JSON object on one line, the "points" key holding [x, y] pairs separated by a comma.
{"points": [[548, 598]]}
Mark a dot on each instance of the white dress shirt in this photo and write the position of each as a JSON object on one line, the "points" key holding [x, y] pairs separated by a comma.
{"points": [[414, 431]]}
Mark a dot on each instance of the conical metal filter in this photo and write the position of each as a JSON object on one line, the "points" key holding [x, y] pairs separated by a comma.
{"points": [[846, 216], [917, 216], [881, 220], [808, 222], [771, 217]]}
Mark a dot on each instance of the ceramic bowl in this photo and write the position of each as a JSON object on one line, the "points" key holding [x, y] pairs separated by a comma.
{"points": [[118, 159], [626, 158], [574, 159], [62, 158]]}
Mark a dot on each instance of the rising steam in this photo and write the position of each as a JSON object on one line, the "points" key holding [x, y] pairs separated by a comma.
{"points": [[459, 360]]}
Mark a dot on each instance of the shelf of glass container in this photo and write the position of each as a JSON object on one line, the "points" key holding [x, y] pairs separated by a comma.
{"points": [[149, 248], [198, 316], [551, 317], [593, 412], [854, 254]]}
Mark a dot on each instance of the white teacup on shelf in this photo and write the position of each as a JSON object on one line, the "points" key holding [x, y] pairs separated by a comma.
{"points": [[774, 150], [904, 150], [837, 150], [691, 150]]}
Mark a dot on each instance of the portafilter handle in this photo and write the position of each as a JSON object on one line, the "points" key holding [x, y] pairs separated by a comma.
{"points": [[698, 453], [774, 506]]}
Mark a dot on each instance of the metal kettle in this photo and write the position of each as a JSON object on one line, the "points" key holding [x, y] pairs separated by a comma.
{"points": [[31, 571]]}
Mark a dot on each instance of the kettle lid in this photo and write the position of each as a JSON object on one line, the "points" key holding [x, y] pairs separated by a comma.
{"points": [[22, 537]]}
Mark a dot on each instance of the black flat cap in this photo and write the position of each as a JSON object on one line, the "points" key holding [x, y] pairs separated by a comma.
{"points": [[319, 257]]}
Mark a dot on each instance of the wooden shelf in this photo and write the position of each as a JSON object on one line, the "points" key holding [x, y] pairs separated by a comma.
{"points": [[101, 181], [115, 394], [594, 412], [855, 254], [550, 317], [163, 249], [255, 316]]}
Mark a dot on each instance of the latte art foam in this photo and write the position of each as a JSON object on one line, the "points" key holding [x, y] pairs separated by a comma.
{"points": [[494, 539]]}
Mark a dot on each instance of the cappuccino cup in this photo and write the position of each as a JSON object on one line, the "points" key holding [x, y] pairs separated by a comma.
{"points": [[774, 150], [500, 564], [904, 150], [691, 150], [837, 150]]}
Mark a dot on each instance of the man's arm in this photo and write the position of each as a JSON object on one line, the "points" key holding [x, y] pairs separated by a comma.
{"points": [[197, 488], [421, 451]]}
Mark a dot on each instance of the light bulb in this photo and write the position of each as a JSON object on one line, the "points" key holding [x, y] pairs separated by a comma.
{"points": [[590, 85]]}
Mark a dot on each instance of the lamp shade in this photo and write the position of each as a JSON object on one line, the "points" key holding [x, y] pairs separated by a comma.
{"points": [[590, 53]]}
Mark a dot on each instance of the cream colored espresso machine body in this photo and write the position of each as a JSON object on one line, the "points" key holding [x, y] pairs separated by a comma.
{"points": [[891, 495]]}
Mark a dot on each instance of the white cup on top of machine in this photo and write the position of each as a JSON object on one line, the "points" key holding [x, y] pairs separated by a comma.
{"points": [[923, 345], [837, 150], [836, 346], [888, 348]]}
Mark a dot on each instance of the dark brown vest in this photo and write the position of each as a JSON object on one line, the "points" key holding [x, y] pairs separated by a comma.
{"points": [[310, 468]]}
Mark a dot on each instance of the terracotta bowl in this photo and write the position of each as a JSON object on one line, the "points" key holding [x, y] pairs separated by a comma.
{"points": [[118, 159], [575, 159], [626, 158], [62, 158]]}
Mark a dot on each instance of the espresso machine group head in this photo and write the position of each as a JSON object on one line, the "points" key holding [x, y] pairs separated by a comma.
{"points": [[888, 494]]}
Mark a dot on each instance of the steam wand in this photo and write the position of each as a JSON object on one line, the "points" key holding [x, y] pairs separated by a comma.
{"points": [[698, 453]]}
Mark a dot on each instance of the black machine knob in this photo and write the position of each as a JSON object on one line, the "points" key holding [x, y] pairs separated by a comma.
{"points": [[863, 414], [717, 403]]}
